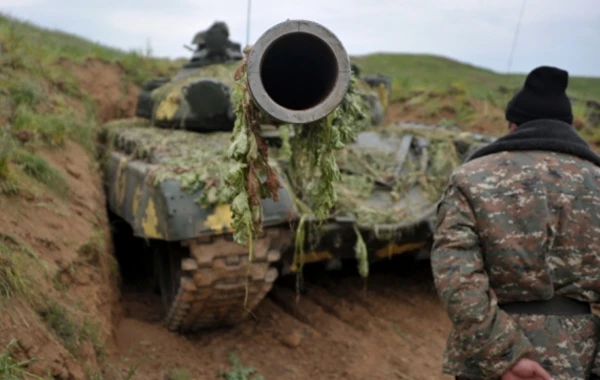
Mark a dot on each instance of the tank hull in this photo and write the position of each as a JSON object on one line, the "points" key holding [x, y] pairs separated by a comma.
{"points": [[144, 182]]}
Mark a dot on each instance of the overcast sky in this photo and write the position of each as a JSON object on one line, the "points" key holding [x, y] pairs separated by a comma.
{"points": [[563, 33]]}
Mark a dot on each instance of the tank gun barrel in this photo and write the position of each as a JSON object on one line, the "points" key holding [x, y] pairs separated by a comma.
{"points": [[298, 72]]}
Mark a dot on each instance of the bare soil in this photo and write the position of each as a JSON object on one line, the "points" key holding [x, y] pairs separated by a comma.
{"points": [[104, 82], [487, 120], [395, 329]]}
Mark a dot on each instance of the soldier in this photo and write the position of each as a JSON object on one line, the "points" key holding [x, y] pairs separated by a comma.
{"points": [[516, 255]]}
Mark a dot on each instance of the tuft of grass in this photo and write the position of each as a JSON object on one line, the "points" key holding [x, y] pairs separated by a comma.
{"points": [[15, 260], [11, 369], [59, 320], [133, 368], [40, 170], [239, 372], [92, 250], [72, 334], [179, 374], [26, 91], [91, 331], [95, 376], [58, 284], [7, 144]]}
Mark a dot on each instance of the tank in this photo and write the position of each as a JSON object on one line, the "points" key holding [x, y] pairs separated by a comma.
{"points": [[165, 173], [165, 169]]}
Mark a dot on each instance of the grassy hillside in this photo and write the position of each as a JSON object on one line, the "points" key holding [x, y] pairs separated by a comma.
{"points": [[433, 73], [41, 97], [431, 88]]}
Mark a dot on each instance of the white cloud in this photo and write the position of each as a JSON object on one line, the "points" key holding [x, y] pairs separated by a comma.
{"points": [[476, 31], [19, 3]]}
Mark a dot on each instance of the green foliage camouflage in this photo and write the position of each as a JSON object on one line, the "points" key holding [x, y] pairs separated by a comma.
{"points": [[197, 161], [313, 164], [366, 182], [368, 169], [378, 190], [370, 183]]}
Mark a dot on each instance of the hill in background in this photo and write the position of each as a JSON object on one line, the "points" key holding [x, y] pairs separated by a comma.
{"points": [[429, 88]]}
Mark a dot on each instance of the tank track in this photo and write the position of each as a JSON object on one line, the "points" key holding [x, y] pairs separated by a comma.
{"points": [[214, 276]]}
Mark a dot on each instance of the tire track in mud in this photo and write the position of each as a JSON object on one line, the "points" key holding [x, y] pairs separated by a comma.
{"points": [[392, 311], [395, 329]]}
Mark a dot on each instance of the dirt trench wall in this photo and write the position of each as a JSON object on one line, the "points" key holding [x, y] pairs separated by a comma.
{"points": [[57, 256]]}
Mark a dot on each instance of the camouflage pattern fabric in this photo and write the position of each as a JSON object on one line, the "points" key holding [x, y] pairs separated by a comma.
{"points": [[519, 226]]}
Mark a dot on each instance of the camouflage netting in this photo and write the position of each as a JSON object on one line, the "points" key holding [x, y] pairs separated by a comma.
{"points": [[391, 175], [373, 180], [386, 186], [197, 161]]}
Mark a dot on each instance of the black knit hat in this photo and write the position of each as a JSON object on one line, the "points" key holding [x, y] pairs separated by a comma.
{"points": [[542, 97]]}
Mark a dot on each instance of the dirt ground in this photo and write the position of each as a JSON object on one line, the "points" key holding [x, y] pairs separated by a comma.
{"points": [[395, 329], [104, 83]]}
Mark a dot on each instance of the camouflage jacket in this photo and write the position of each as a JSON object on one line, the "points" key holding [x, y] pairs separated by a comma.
{"points": [[519, 226]]}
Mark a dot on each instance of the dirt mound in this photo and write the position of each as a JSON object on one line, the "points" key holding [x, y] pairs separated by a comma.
{"points": [[105, 83], [70, 308], [396, 329], [58, 276], [431, 108]]}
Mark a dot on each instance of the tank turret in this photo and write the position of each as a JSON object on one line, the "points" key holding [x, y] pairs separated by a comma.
{"points": [[213, 46]]}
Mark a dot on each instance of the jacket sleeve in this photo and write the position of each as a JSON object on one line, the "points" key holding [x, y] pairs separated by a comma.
{"points": [[487, 336]]}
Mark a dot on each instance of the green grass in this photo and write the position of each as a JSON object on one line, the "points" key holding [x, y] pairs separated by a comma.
{"points": [[38, 48], [179, 374], [40, 170], [38, 91], [474, 97], [60, 321], [239, 372], [43, 107], [12, 369], [16, 259]]}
